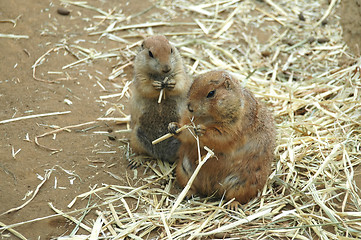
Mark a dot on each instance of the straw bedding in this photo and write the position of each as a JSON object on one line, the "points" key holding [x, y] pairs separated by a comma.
{"points": [[302, 71]]}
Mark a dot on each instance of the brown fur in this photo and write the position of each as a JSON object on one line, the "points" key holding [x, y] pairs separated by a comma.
{"points": [[157, 60], [240, 131]]}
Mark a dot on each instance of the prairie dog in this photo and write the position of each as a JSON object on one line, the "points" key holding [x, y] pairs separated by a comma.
{"points": [[237, 127], [158, 66]]}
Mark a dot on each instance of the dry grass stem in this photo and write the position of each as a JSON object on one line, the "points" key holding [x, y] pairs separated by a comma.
{"points": [[162, 91], [45, 178], [56, 131], [144, 25], [2, 35], [38, 61], [73, 219], [34, 116], [168, 135], [161, 95], [13, 21], [328, 11], [275, 6], [118, 120], [184, 192], [16, 233]]}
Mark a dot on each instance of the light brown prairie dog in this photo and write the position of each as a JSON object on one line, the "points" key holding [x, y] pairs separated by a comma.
{"points": [[237, 127], [157, 66]]}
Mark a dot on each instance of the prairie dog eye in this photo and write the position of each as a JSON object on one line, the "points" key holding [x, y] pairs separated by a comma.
{"points": [[211, 94], [151, 54], [171, 50]]}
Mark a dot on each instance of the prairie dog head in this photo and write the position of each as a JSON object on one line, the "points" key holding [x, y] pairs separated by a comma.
{"points": [[215, 97], [157, 55]]}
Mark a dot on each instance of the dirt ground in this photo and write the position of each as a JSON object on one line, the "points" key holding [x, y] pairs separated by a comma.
{"points": [[350, 11], [94, 158]]}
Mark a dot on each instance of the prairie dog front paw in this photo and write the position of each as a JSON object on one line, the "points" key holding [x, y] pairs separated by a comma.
{"points": [[200, 130], [158, 85], [172, 127], [170, 84]]}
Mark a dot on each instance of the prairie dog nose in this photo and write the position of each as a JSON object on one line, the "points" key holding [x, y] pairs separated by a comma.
{"points": [[190, 107], [166, 68]]}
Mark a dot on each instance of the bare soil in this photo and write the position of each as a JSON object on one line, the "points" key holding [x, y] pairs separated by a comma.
{"points": [[91, 156], [350, 12]]}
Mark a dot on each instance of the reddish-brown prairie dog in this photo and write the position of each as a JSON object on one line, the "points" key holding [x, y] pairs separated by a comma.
{"points": [[157, 67], [239, 129]]}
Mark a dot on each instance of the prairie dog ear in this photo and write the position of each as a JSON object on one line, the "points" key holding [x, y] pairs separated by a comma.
{"points": [[228, 83]]}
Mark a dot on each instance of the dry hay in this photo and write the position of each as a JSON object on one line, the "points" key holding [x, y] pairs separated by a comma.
{"points": [[302, 72]]}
